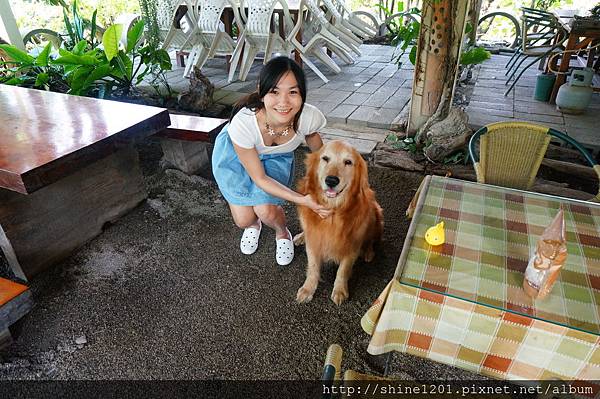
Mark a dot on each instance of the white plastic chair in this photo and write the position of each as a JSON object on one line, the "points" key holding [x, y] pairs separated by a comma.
{"points": [[178, 27], [210, 37], [316, 31], [342, 32], [353, 21], [259, 35]]}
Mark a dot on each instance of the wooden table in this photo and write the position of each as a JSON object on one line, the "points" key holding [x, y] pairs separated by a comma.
{"points": [[462, 303], [67, 167], [579, 38]]}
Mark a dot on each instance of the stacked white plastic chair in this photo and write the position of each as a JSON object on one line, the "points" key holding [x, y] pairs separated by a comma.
{"points": [[177, 30], [318, 36], [353, 21], [257, 36], [209, 35], [342, 32]]}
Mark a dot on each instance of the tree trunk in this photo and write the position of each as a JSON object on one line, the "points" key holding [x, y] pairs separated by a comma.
{"points": [[438, 55], [473, 18]]}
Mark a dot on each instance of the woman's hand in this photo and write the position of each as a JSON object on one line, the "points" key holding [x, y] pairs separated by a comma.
{"points": [[320, 210]]}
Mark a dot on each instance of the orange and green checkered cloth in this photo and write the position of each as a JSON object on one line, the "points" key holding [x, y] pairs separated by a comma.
{"points": [[462, 303]]}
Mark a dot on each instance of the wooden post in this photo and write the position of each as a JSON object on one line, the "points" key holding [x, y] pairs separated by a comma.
{"points": [[438, 56]]}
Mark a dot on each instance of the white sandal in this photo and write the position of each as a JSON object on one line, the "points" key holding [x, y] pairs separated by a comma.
{"points": [[249, 241], [285, 250]]}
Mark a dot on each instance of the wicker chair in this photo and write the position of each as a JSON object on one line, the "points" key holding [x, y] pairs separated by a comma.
{"points": [[510, 153], [332, 376]]}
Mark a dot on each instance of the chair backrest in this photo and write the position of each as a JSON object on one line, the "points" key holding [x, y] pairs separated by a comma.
{"points": [[510, 153], [316, 14], [333, 10], [210, 15], [541, 23], [259, 16]]}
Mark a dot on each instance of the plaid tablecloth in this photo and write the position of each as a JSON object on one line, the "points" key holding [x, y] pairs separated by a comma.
{"points": [[462, 303]]}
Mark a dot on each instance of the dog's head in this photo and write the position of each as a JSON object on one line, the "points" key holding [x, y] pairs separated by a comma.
{"points": [[336, 172]]}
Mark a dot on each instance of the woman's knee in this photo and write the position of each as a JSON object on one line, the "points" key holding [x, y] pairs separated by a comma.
{"points": [[243, 217], [269, 213]]}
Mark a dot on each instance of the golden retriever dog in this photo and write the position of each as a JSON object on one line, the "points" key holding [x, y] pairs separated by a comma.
{"points": [[337, 177]]}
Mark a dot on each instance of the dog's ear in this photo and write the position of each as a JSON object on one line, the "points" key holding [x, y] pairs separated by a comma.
{"points": [[312, 164], [362, 171]]}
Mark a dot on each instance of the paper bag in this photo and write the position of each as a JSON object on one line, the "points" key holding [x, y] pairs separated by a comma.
{"points": [[547, 260]]}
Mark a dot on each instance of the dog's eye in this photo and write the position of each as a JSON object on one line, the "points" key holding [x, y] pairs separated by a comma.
{"points": [[347, 162], [325, 158]]}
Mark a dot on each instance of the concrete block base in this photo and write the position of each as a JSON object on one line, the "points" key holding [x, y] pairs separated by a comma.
{"points": [[188, 156], [46, 226]]}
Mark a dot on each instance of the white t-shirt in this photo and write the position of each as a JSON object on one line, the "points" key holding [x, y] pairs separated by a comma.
{"points": [[244, 131]]}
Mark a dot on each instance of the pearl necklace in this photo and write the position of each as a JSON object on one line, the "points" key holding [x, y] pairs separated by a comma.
{"points": [[273, 133]]}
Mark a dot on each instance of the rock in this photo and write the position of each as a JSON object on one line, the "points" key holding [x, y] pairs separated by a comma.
{"points": [[396, 159], [81, 340], [448, 135], [199, 97]]}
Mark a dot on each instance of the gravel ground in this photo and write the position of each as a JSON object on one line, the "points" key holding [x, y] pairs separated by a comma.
{"points": [[164, 293]]}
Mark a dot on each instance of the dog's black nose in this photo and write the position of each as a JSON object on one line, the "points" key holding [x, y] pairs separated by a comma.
{"points": [[332, 181]]}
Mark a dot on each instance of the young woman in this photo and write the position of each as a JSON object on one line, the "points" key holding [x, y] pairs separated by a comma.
{"points": [[253, 157]]}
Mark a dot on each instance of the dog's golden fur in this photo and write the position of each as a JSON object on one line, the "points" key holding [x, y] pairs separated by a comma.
{"points": [[356, 223]]}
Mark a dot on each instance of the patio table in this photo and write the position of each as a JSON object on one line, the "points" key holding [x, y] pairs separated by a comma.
{"points": [[67, 167], [579, 38], [462, 303]]}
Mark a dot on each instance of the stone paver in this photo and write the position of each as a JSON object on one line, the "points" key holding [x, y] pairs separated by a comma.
{"points": [[372, 92], [356, 98], [486, 106], [475, 110], [382, 118], [340, 113], [367, 88], [361, 116]]}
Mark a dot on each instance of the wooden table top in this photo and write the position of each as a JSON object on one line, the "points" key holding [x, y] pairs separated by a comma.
{"points": [[45, 136], [567, 18]]}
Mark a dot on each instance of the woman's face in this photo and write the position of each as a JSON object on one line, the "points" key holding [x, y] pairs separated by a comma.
{"points": [[283, 102]]}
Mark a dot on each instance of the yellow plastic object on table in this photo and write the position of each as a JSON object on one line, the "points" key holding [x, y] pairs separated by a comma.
{"points": [[435, 235]]}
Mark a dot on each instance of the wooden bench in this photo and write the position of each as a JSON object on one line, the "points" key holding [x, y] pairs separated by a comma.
{"points": [[15, 302], [184, 142]]}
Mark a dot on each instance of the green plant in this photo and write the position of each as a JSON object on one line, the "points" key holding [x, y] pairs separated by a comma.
{"points": [[405, 36], [148, 8], [31, 70], [120, 69], [456, 157], [544, 4], [474, 55], [83, 70], [407, 144]]}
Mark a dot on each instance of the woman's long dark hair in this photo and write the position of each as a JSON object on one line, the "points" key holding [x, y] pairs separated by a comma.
{"points": [[271, 73]]}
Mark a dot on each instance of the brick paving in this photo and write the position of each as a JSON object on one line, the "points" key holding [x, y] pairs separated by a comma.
{"points": [[372, 92], [488, 104]]}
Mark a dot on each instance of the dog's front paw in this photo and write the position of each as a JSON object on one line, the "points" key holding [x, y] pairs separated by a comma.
{"points": [[339, 295], [305, 294], [369, 254], [299, 239]]}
